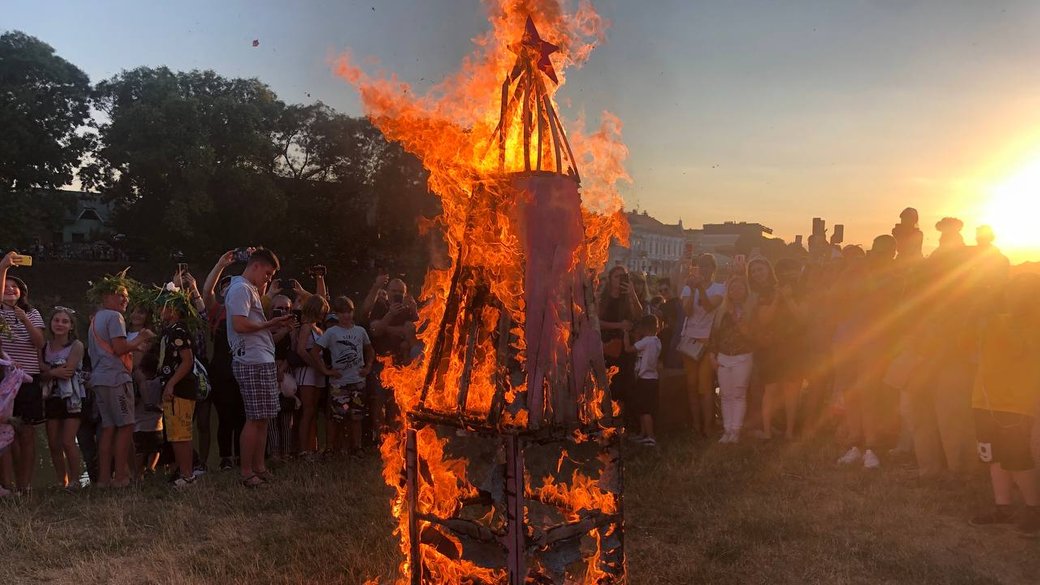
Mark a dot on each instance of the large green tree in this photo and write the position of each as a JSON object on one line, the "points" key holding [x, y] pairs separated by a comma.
{"points": [[188, 157], [44, 103]]}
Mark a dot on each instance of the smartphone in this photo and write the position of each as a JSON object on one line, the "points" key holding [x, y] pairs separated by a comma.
{"points": [[297, 316], [21, 260], [397, 298], [317, 270], [279, 312], [242, 254], [819, 226]]}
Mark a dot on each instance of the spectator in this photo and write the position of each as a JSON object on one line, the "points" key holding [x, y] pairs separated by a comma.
{"points": [[619, 308], [24, 342], [227, 399], [392, 314], [148, 415], [672, 317], [280, 436], [731, 353], [871, 347], [352, 357], [644, 399], [252, 353], [179, 383], [780, 353], [309, 374], [203, 408], [1004, 401], [701, 296], [62, 357], [110, 356]]}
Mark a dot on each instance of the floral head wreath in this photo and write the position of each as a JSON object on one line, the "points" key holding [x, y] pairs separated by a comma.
{"points": [[171, 295], [111, 284]]}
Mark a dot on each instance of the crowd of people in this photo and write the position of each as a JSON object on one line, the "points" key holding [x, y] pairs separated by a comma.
{"points": [[929, 359], [135, 391], [896, 356]]}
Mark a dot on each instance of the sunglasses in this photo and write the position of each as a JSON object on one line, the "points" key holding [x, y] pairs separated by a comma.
{"points": [[69, 310]]}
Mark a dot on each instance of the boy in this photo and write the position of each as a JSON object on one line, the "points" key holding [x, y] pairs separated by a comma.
{"points": [[644, 401], [1005, 399], [352, 358]]}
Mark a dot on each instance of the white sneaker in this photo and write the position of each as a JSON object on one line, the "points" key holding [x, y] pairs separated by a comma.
{"points": [[870, 460], [851, 456]]}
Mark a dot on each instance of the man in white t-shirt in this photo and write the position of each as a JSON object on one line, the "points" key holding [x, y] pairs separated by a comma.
{"points": [[252, 359], [701, 296]]}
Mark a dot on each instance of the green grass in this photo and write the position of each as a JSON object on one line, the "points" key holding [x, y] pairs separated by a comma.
{"points": [[696, 512]]}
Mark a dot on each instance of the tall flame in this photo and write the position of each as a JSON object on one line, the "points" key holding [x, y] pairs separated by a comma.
{"points": [[452, 130]]}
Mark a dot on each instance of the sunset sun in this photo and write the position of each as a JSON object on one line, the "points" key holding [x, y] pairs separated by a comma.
{"points": [[1011, 209]]}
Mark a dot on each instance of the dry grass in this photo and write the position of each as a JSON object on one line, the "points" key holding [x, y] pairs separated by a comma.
{"points": [[697, 513]]}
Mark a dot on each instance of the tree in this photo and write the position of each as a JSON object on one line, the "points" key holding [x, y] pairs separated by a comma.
{"points": [[188, 158], [44, 102]]}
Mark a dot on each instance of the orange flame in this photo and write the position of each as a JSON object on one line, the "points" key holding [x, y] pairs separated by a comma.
{"points": [[451, 129]]}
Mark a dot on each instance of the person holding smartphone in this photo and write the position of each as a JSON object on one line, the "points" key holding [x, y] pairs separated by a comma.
{"points": [[700, 298], [24, 342]]}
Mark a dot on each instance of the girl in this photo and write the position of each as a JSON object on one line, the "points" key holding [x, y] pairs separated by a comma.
{"points": [[23, 345], [65, 394], [730, 352], [309, 376]]}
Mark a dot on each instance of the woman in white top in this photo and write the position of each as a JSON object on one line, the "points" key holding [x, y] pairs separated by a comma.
{"points": [[701, 296]]}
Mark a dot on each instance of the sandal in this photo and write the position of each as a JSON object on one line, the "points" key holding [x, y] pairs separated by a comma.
{"points": [[265, 475], [252, 482]]}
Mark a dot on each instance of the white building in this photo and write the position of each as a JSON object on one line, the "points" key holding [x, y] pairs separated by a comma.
{"points": [[654, 247]]}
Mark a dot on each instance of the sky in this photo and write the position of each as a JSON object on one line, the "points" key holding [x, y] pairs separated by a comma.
{"points": [[764, 111]]}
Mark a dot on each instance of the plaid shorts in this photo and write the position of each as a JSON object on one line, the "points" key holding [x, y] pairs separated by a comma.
{"points": [[259, 386]]}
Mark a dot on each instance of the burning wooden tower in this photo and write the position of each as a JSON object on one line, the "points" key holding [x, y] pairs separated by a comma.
{"points": [[512, 453]]}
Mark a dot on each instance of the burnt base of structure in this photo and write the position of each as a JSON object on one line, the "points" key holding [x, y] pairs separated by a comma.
{"points": [[513, 523]]}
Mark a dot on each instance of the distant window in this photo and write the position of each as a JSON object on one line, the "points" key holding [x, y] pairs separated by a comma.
{"points": [[89, 214]]}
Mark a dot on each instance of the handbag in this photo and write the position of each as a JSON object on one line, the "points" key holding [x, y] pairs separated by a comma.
{"points": [[691, 348]]}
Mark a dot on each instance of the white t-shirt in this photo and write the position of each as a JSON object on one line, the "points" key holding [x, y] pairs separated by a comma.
{"points": [[243, 300], [347, 347], [648, 350], [699, 325]]}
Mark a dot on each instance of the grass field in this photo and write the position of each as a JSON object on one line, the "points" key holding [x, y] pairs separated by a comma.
{"points": [[696, 512]]}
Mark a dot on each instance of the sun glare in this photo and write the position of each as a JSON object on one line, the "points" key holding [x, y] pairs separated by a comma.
{"points": [[1012, 210]]}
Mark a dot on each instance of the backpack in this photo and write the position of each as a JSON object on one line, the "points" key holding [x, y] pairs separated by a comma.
{"points": [[194, 386]]}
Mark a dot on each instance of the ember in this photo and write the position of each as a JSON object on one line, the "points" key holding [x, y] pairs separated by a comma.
{"points": [[512, 470]]}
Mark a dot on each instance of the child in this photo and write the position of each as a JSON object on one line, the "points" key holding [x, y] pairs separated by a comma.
{"points": [[352, 359], [644, 399], [13, 379], [148, 425], [176, 372], [1004, 400]]}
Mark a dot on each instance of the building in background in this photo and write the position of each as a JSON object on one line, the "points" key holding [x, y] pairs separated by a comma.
{"points": [[664, 249], [654, 247]]}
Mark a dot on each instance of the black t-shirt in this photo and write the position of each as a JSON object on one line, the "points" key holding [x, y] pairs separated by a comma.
{"points": [[220, 366], [175, 339]]}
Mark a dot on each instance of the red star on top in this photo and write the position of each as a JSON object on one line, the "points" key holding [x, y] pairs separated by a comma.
{"points": [[533, 47]]}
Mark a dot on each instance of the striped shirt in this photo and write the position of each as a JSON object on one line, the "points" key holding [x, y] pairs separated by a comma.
{"points": [[19, 346]]}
